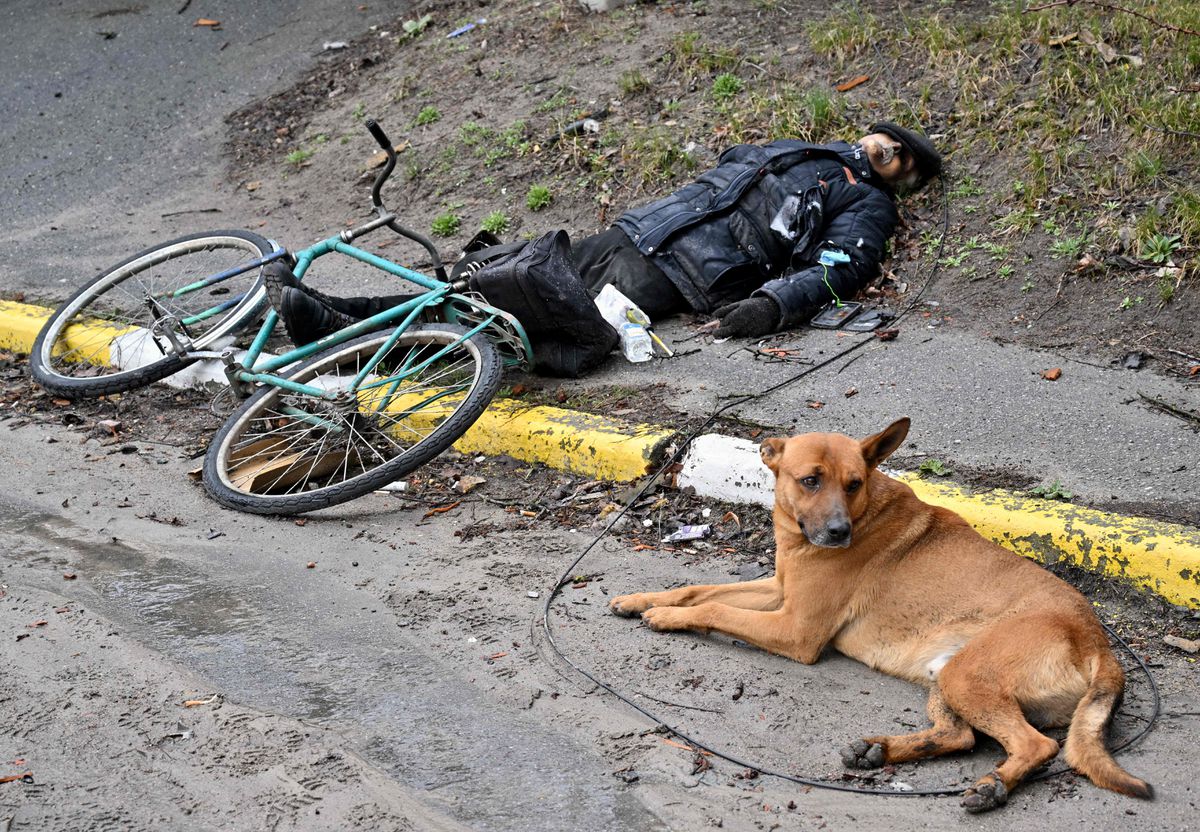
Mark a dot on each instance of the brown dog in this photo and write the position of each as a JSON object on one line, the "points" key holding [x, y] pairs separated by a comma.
{"points": [[912, 590]]}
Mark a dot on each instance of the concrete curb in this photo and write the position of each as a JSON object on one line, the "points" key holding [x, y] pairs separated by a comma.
{"points": [[1161, 557]]}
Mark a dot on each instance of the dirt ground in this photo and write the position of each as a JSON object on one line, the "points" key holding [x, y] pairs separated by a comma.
{"points": [[483, 117]]}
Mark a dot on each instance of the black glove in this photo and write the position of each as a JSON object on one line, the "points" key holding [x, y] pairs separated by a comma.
{"points": [[747, 318]]}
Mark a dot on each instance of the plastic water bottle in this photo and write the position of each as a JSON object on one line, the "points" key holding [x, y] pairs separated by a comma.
{"points": [[635, 343]]}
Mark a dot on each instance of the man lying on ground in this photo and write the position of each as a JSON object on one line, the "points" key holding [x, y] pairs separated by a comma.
{"points": [[761, 242]]}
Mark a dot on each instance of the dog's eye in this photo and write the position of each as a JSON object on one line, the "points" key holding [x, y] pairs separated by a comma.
{"points": [[810, 482], [853, 486]]}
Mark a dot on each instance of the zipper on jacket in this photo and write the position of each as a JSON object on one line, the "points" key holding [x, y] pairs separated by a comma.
{"points": [[675, 221]]}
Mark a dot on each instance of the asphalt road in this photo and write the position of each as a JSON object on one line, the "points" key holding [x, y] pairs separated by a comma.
{"points": [[114, 115]]}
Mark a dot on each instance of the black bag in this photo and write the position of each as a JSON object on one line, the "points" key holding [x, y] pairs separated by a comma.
{"points": [[540, 285]]}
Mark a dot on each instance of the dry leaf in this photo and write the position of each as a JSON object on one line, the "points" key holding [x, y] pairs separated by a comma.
{"points": [[465, 484], [380, 158], [312, 564], [887, 334], [12, 778], [1053, 374], [442, 509], [193, 703], [1061, 39], [254, 186], [499, 655], [815, 405], [852, 83], [1107, 53], [41, 622], [69, 576], [852, 391]]}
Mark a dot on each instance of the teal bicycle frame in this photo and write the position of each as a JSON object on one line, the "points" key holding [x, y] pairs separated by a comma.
{"points": [[440, 296], [253, 371]]}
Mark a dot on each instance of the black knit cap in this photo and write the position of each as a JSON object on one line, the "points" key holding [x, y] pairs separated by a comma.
{"points": [[929, 161]]}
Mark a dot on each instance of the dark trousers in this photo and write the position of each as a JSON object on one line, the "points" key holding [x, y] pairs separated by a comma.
{"points": [[609, 257]]}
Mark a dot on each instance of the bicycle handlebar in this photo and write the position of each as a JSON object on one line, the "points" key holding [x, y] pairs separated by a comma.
{"points": [[377, 132]]}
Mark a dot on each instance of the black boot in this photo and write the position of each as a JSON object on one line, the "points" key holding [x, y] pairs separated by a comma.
{"points": [[306, 318], [278, 276]]}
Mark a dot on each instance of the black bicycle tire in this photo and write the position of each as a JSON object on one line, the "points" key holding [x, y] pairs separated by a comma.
{"points": [[74, 388], [490, 368]]}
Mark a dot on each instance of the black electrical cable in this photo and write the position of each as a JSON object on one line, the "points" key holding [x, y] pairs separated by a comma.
{"points": [[565, 578]]}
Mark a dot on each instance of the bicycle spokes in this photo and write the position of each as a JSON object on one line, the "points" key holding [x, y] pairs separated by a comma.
{"points": [[299, 442]]}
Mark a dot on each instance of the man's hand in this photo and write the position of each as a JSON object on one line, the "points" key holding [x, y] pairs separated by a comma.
{"points": [[747, 318]]}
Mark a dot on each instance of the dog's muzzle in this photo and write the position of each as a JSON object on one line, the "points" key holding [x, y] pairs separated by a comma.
{"points": [[833, 535]]}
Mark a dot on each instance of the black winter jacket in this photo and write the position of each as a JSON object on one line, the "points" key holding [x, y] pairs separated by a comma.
{"points": [[759, 221]]}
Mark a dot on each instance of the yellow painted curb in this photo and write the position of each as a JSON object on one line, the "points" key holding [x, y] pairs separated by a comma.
{"points": [[20, 324], [566, 440], [1162, 557]]}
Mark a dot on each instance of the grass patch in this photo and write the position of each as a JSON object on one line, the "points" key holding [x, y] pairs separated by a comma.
{"points": [[446, 225], [539, 197], [496, 222], [427, 115]]}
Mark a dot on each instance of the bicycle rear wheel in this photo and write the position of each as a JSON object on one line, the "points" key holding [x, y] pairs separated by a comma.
{"points": [[285, 453], [109, 337]]}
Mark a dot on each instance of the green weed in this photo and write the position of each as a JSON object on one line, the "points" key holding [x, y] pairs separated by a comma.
{"points": [[725, 86], [427, 115], [1052, 491], [413, 28], [1160, 247], [495, 222], [446, 225], [298, 156], [966, 187], [1069, 246], [935, 468], [539, 197]]}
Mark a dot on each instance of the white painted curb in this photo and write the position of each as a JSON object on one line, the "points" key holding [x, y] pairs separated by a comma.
{"points": [[728, 469], [131, 350]]}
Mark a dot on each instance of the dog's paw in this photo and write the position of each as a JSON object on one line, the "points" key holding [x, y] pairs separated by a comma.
{"points": [[987, 794], [627, 606], [862, 754], [664, 619]]}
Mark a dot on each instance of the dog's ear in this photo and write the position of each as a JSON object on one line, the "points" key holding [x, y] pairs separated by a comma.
{"points": [[771, 450], [877, 448]]}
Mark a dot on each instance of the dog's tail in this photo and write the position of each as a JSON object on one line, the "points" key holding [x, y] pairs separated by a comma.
{"points": [[1085, 748]]}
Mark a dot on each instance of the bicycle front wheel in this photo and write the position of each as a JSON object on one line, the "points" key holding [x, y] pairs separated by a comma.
{"points": [[114, 334], [284, 452]]}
